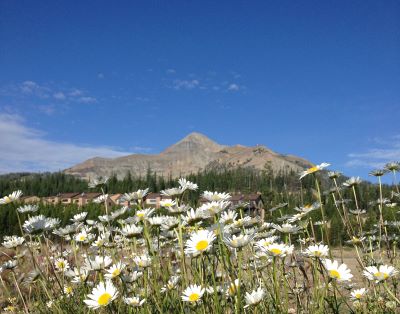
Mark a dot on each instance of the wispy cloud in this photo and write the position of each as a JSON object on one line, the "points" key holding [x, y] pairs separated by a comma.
{"points": [[59, 96], [377, 157], [33, 91], [87, 100], [233, 87], [186, 84], [27, 149], [209, 81]]}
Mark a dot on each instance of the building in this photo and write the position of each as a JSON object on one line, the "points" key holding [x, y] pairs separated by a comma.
{"points": [[30, 199], [154, 199], [84, 198], [63, 198], [116, 199]]}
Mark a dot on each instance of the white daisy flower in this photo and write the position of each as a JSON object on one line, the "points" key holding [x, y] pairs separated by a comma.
{"points": [[79, 217], [358, 294], [172, 192], [171, 284], [215, 196], [287, 228], [318, 251], [167, 203], [139, 194], [98, 181], [238, 241], [379, 274], [187, 185], [14, 196], [278, 249], [254, 297], [37, 224], [98, 263], [266, 241], [12, 241], [68, 290], [314, 169], [143, 261], [83, 236], [214, 207], [352, 182], [193, 294], [242, 222], [336, 271], [115, 270], [78, 275], [134, 301], [101, 199], [199, 242], [144, 214], [61, 264], [28, 209], [102, 295], [193, 216], [228, 217], [157, 221], [131, 230]]}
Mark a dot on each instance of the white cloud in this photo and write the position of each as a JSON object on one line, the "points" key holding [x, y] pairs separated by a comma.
{"points": [[100, 76], [33, 88], [171, 71], [59, 96], [186, 84], [47, 109], [87, 100], [233, 87], [377, 157], [75, 93], [27, 149]]}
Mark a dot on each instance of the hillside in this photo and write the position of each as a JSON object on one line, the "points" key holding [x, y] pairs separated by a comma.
{"points": [[193, 153]]}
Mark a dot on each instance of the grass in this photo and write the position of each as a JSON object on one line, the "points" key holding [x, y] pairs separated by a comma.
{"points": [[214, 259]]}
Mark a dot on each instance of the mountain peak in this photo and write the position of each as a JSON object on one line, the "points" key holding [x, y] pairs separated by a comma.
{"points": [[194, 141], [196, 136]]}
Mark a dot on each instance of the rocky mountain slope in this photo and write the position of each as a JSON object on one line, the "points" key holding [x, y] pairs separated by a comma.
{"points": [[193, 153]]}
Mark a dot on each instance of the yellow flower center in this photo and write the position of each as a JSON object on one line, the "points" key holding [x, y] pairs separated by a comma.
{"points": [[7, 200], [232, 289], [104, 299], [82, 238], [140, 215], [201, 245], [381, 275], [194, 297], [276, 251], [61, 264], [334, 274], [318, 253], [68, 290], [358, 295], [312, 169], [116, 272]]}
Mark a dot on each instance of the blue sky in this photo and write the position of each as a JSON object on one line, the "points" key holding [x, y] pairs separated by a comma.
{"points": [[86, 78]]}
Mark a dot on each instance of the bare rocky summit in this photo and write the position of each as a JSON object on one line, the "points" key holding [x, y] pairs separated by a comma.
{"points": [[193, 153]]}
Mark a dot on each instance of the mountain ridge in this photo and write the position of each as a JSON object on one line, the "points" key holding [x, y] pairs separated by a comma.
{"points": [[193, 153]]}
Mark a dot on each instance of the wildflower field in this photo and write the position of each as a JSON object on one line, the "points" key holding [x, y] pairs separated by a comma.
{"points": [[213, 258]]}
